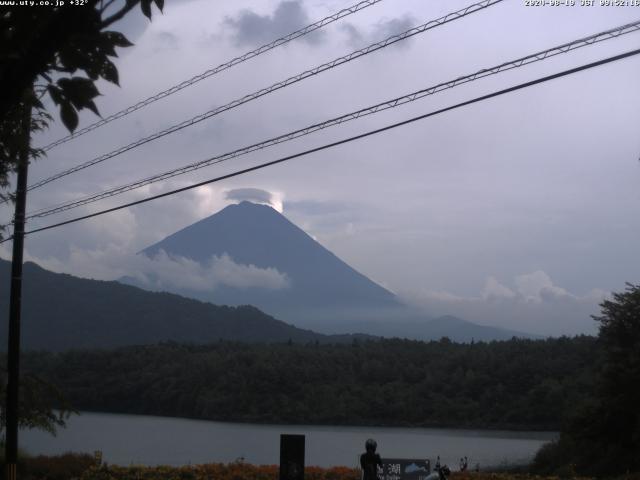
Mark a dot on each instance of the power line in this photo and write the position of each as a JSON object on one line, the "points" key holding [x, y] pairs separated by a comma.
{"points": [[395, 102], [276, 86], [346, 140], [224, 66]]}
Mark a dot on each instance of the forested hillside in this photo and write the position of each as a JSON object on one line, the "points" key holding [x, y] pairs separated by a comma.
{"points": [[527, 384], [62, 312]]}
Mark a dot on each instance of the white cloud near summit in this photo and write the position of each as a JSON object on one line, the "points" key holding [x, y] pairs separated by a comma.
{"points": [[256, 195]]}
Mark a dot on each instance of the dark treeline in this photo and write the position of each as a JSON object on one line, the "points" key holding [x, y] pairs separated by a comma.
{"points": [[601, 434], [523, 384]]}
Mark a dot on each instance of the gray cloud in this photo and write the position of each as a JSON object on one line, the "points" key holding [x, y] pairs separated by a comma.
{"points": [[314, 207], [358, 37], [253, 29], [325, 219], [354, 35], [167, 40], [387, 28]]}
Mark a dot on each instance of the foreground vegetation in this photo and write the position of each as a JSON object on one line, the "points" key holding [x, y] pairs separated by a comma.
{"points": [[520, 384], [601, 435], [85, 467], [72, 466]]}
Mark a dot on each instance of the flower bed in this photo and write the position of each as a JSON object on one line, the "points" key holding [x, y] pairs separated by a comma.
{"points": [[217, 471]]}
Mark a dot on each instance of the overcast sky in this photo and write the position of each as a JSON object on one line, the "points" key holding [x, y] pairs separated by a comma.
{"points": [[521, 211]]}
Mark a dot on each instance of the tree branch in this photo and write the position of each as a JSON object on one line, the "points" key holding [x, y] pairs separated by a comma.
{"points": [[118, 15], [104, 8]]}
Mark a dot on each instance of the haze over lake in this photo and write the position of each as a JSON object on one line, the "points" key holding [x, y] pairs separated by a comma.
{"points": [[136, 439]]}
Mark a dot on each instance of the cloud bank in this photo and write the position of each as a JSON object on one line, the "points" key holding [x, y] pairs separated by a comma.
{"points": [[534, 304], [163, 272]]}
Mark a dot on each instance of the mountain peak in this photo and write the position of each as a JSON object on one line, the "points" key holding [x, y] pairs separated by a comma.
{"points": [[243, 208], [248, 205], [256, 236]]}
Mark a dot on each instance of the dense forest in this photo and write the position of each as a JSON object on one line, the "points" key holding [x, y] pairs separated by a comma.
{"points": [[522, 384]]}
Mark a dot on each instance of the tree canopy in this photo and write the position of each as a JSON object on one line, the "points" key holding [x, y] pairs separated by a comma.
{"points": [[603, 437], [60, 52], [528, 384], [37, 397]]}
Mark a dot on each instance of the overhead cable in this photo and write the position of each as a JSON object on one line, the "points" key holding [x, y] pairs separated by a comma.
{"points": [[277, 86], [213, 71], [388, 104], [346, 140]]}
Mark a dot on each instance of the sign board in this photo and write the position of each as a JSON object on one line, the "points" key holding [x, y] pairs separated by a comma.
{"points": [[404, 469], [291, 457]]}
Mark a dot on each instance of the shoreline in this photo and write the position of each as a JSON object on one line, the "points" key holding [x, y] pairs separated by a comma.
{"points": [[268, 423]]}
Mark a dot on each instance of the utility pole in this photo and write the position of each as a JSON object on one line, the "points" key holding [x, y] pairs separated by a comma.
{"points": [[13, 357]]}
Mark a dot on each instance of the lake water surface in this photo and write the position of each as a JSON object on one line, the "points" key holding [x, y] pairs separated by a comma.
{"points": [[146, 440]]}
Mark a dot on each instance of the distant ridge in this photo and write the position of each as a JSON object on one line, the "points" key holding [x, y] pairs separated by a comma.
{"points": [[64, 312], [454, 328]]}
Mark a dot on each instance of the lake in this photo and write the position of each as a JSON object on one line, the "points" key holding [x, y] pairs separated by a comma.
{"points": [[147, 440]]}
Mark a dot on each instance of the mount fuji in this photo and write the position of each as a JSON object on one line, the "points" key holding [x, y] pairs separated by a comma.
{"points": [[311, 287]]}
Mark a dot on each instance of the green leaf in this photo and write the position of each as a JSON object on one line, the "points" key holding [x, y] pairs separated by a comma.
{"points": [[117, 39], [145, 5], [56, 94], [80, 92], [92, 106], [93, 72], [106, 48], [68, 58], [110, 72], [69, 116]]}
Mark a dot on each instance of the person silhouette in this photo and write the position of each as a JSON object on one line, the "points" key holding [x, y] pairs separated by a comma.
{"points": [[370, 461], [443, 472]]}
